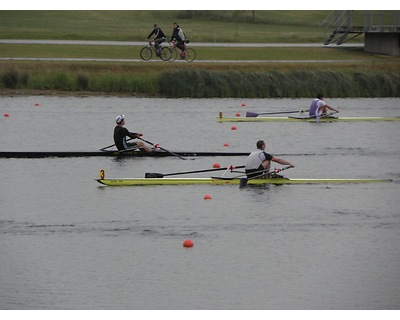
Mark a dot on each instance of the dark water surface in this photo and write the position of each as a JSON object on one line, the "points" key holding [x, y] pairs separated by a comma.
{"points": [[68, 243]]}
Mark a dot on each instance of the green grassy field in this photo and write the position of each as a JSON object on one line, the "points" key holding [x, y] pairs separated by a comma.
{"points": [[199, 26]]}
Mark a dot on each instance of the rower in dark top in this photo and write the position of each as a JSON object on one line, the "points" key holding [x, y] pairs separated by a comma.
{"points": [[259, 162], [120, 134]]}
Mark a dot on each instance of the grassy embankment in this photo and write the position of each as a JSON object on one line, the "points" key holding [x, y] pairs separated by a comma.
{"points": [[362, 74]]}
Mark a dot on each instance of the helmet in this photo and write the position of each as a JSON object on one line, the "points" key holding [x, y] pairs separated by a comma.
{"points": [[119, 118]]}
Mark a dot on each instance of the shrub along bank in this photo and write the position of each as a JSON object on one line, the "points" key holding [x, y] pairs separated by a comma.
{"points": [[198, 83], [274, 84]]}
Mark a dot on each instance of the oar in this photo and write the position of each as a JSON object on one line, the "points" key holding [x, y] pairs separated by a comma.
{"points": [[157, 146], [326, 116], [129, 149], [255, 114], [161, 175], [243, 181], [330, 114], [104, 149]]}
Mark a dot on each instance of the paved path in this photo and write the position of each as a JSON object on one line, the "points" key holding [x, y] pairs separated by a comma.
{"points": [[203, 44], [194, 44], [181, 61]]}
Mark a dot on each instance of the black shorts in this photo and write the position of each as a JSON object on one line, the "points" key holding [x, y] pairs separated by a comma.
{"points": [[251, 173], [131, 145]]}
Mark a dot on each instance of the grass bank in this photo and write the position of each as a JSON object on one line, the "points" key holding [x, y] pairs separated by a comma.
{"points": [[204, 82], [274, 72], [275, 84]]}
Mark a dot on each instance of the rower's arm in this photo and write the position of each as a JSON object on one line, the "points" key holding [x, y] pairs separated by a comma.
{"points": [[283, 162], [134, 135], [331, 108]]}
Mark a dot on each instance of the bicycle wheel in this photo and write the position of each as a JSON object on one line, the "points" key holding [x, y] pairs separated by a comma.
{"points": [[165, 53], [190, 54], [146, 53], [174, 55]]}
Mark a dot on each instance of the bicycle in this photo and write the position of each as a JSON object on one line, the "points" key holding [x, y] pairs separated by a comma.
{"points": [[188, 54], [147, 52]]}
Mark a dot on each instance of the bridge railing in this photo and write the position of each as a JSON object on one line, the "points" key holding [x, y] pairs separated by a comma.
{"points": [[340, 23]]}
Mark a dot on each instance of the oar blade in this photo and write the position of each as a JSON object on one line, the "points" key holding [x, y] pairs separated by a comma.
{"points": [[251, 114], [153, 175]]}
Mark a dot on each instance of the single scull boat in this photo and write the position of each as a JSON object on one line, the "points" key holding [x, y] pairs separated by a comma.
{"points": [[128, 154], [220, 118], [223, 180]]}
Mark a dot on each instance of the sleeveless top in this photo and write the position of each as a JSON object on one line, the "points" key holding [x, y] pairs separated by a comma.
{"points": [[314, 108], [256, 158]]}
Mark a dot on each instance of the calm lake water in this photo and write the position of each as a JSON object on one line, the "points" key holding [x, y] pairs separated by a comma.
{"points": [[69, 243]]}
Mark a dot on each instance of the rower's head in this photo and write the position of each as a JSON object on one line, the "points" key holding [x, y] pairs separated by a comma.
{"points": [[120, 119], [261, 144], [320, 96]]}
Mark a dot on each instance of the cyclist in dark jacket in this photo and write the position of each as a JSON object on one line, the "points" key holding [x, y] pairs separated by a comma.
{"points": [[179, 37], [159, 37]]}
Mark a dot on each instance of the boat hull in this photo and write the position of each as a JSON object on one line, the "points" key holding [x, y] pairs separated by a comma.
{"points": [[223, 181], [220, 118], [129, 154]]}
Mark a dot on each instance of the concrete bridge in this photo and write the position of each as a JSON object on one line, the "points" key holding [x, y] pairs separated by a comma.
{"points": [[381, 29]]}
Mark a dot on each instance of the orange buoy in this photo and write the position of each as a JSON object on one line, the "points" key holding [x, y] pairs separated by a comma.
{"points": [[238, 114], [37, 104], [226, 144], [6, 115], [207, 197], [243, 104], [233, 128], [216, 165], [188, 243]]}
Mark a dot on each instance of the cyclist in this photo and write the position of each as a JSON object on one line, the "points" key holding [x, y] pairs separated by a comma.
{"points": [[179, 38], [159, 37]]}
